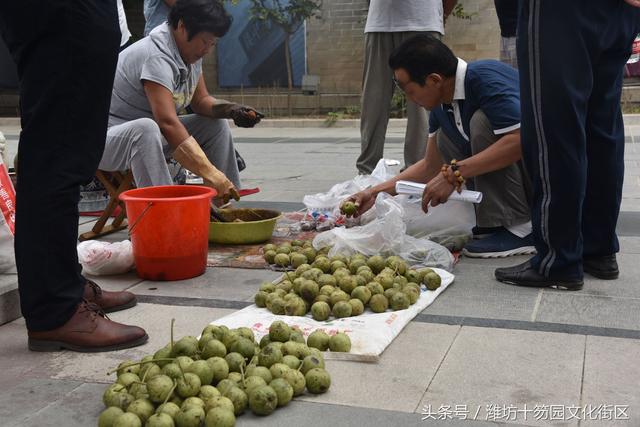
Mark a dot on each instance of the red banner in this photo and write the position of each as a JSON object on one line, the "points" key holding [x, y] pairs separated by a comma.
{"points": [[7, 198]]}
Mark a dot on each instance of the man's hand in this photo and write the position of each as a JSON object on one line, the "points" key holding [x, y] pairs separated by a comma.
{"points": [[436, 192], [225, 188], [363, 200], [245, 117], [635, 3]]}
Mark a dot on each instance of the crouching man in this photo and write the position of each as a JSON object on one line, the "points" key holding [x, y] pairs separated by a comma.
{"points": [[474, 139]]}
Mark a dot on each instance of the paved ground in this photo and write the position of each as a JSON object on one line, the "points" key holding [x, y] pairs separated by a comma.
{"points": [[483, 350]]}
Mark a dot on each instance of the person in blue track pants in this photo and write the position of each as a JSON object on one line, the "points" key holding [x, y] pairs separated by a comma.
{"points": [[571, 55]]}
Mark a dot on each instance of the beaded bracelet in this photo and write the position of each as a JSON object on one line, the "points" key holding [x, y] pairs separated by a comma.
{"points": [[457, 180]]}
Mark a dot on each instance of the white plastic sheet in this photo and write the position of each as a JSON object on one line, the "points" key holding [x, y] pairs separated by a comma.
{"points": [[370, 332]]}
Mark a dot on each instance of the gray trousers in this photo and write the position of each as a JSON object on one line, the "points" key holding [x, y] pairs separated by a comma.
{"points": [[377, 91], [506, 192], [138, 145]]}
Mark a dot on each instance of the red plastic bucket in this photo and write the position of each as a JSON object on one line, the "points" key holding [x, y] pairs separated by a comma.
{"points": [[169, 228]]}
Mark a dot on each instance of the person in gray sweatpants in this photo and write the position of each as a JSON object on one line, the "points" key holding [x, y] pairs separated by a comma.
{"points": [[157, 78], [389, 23], [139, 146], [377, 91]]}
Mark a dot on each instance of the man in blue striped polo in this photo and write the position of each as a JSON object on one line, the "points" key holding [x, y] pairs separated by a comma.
{"points": [[474, 138]]}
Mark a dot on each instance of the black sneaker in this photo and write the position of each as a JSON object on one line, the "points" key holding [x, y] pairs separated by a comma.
{"points": [[525, 275], [602, 267], [499, 245]]}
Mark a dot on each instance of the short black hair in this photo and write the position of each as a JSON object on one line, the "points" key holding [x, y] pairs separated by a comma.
{"points": [[199, 16], [422, 55]]}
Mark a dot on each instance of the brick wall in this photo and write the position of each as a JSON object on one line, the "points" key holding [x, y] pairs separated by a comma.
{"points": [[335, 45], [477, 38]]}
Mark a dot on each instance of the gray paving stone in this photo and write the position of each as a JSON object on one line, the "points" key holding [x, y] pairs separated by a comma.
{"points": [[86, 225], [269, 195], [279, 206], [320, 415], [609, 378], [118, 236], [17, 362], [626, 286], [629, 222], [629, 244], [589, 310], [75, 408], [119, 282], [9, 298], [400, 378], [86, 219], [505, 367], [630, 204], [296, 195], [476, 293], [233, 284], [32, 397]]}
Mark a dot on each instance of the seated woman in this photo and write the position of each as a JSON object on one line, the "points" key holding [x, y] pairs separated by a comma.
{"points": [[157, 78]]}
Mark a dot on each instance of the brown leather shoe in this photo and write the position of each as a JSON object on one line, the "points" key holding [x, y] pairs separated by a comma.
{"points": [[88, 330], [107, 300]]}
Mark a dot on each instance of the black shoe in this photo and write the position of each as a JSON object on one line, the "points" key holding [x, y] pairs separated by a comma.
{"points": [[603, 267], [525, 275]]}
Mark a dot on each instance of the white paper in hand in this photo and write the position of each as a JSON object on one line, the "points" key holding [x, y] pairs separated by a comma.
{"points": [[416, 189]]}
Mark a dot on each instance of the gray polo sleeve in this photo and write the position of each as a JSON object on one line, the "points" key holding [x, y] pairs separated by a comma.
{"points": [[158, 70]]}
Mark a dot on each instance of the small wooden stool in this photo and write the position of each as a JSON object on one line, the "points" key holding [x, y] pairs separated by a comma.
{"points": [[115, 183]]}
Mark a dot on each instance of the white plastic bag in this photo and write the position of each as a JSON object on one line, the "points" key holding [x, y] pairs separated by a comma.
{"points": [[449, 224], [104, 258], [328, 203], [386, 235]]}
